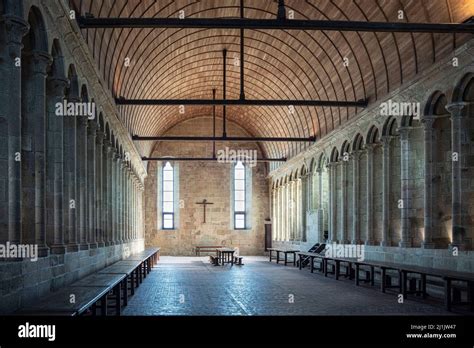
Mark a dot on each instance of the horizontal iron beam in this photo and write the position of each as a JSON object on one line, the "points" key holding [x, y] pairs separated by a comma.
{"points": [[277, 24], [237, 139], [242, 102], [205, 159]]}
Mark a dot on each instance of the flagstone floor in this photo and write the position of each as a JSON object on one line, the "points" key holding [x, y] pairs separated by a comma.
{"points": [[192, 286]]}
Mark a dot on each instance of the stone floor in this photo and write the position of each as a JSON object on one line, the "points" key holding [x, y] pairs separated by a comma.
{"points": [[191, 286]]}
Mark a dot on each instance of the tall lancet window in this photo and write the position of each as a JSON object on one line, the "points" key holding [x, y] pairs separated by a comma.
{"points": [[240, 196], [168, 197]]}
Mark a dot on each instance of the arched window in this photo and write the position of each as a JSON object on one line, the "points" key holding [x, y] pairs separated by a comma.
{"points": [[167, 197], [240, 196]]}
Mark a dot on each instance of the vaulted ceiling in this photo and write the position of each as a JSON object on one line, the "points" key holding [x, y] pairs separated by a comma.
{"points": [[279, 64]]}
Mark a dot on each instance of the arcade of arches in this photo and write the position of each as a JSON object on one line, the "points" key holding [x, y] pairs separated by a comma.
{"points": [[76, 185]]}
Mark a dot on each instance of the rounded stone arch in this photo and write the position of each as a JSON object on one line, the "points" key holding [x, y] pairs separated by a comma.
{"points": [[57, 68], [372, 135], [436, 104], [345, 148], [108, 133], [464, 90], [37, 38], [100, 121], [73, 90], [322, 162], [312, 165], [334, 155], [358, 142], [84, 93], [390, 126]]}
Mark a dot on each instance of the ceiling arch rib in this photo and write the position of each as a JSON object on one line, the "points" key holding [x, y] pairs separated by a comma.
{"points": [[279, 64]]}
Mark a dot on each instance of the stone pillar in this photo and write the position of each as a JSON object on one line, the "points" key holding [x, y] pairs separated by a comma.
{"points": [[16, 28], [406, 237], [427, 124], [100, 208], [459, 206], [81, 182], [304, 198], [386, 143], [113, 195], [110, 180], [344, 184], [34, 146], [91, 183], [70, 178], [55, 173], [370, 194], [355, 198], [320, 217], [332, 202], [116, 198]]}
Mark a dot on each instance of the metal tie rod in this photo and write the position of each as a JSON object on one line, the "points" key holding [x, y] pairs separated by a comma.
{"points": [[205, 159], [242, 102], [236, 139], [274, 24]]}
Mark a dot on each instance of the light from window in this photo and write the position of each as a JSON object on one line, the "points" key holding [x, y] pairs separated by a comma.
{"points": [[239, 196], [168, 197]]}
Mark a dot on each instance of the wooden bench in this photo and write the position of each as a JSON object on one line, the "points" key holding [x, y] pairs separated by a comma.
{"points": [[238, 260], [88, 294], [404, 286], [206, 248], [285, 252]]}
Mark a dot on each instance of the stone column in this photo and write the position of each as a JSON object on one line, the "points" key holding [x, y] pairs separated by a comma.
{"points": [[332, 202], [320, 217], [427, 123], [55, 167], [344, 184], [304, 198], [355, 198], [109, 175], [16, 28], [81, 183], [370, 194], [386, 143], [459, 207], [91, 183], [100, 209], [115, 196], [34, 146], [406, 237], [70, 187]]}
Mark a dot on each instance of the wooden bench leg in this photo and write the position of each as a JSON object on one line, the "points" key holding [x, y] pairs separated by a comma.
{"points": [[278, 256], [470, 295], [286, 258], [132, 283], [423, 285], [125, 291], [447, 294], [357, 274], [299, 264], [312, 264], [336, 271], [270, 256], [103, 306], [118, 300], [372, 275], [384, 279]]}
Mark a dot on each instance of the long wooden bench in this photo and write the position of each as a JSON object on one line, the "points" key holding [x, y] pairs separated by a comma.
{"points": [[206, 249], [283, 251], [354, 267], [93, 291]]}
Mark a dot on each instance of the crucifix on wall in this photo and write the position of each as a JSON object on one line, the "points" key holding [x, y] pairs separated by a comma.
{"points": [[204, 204]]}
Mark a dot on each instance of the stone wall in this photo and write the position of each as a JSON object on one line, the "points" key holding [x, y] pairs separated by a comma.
{"points": [[205, 180], [418, 191]]}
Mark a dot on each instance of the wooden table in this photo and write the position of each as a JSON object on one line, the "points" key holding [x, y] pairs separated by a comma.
{"points": [[225, 255], [285, 252]]}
